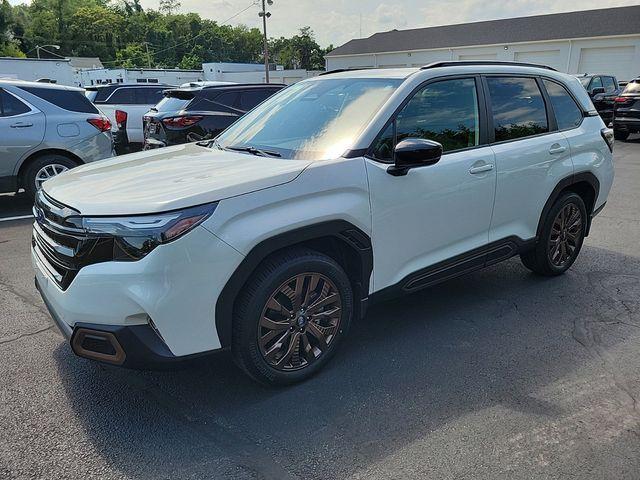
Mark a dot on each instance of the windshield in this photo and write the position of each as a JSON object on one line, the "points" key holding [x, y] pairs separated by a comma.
{"points": [[90, 94], [314, 120], [172, 103], [585, 81]]}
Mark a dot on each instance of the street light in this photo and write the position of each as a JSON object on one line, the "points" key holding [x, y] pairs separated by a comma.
{"points": [[264, 14], [38, 47]]}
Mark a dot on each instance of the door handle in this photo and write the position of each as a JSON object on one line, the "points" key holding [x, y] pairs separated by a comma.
{"points": [[21, 125], [481, 168], [557, 148]]}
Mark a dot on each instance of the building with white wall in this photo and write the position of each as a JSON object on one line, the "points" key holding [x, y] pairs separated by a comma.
{"points": [[253, 73], [169, 76], [592, 41], [32, 69]]}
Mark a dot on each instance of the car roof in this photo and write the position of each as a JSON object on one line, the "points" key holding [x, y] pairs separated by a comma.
{"points": [[118, 85], [231, 86], [47, 85]]}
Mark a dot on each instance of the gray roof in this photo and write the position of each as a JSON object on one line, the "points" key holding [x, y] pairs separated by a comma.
{"points": [[588, 23], [85, 62]]}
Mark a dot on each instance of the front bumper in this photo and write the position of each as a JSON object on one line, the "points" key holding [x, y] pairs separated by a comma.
{"points": [[158, 308], [135, 346]]}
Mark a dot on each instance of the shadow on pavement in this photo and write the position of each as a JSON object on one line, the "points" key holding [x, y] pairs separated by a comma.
{"points": [[14, 205], [496, 337]]}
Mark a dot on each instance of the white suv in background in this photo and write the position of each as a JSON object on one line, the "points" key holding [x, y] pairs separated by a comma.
{"points": [[336, 192], [125, 105]]}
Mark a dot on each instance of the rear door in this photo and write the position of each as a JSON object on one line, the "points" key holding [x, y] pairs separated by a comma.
{"points": [[22, 128], [531, 154]]}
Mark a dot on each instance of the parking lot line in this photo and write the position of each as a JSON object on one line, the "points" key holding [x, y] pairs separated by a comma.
{"points": [[20, 217]]}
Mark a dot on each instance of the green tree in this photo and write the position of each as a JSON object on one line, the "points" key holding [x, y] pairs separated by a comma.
{"points": [[133, 56]]}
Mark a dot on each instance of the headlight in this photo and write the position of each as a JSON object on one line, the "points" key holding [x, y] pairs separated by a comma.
{"points": [[133, 237]]}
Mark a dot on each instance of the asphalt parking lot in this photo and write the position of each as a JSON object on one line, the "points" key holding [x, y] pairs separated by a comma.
{"points": [[500, 374]]}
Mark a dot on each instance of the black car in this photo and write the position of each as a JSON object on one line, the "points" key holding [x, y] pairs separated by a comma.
{"points": [[626, 113], [603, 89], [201, 112]]}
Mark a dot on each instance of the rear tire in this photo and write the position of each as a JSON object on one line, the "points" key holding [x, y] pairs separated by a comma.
{"points": [[291, 317], [620, 135], [45, 166], [561, 238]]}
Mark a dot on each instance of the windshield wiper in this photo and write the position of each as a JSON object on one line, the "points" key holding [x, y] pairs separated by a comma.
{"points": [[255, 151]]}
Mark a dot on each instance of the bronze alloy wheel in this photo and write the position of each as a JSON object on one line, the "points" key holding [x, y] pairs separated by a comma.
{"points": [[566, 234], [299, 321]]}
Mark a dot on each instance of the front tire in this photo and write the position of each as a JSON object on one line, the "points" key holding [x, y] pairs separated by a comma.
{"points": [[561, 238], [291, 317]]}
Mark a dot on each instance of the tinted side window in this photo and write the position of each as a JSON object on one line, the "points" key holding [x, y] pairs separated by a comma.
{"points": [[251, 98], [10, 105], [568, 114], [609, 84], [72, 100], [228, 99], [148, 96], [122, 96], [518, 108], [445, 111]]}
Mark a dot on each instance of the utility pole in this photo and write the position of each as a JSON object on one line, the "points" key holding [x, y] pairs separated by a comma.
{"points": [[264, 14], [146, 44]]}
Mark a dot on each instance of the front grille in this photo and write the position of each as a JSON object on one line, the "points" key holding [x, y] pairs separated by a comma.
{"points": [[62, 248]]}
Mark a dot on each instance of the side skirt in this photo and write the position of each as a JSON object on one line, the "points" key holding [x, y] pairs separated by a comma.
{"points": [[476, 259]]}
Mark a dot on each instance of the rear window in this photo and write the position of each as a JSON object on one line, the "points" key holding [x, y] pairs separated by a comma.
{"points": [[99, 95], [568, 114], [72, 100], [10, 105], [122, 96], [251, 98], [149, 96], [632, 87], [174, 101]]}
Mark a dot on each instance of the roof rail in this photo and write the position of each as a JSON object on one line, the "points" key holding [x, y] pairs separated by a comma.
{"points": [[339, 70], [483, 62]]}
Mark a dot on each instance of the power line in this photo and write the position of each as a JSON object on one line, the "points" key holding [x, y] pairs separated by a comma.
{"points": [[253, 4]]}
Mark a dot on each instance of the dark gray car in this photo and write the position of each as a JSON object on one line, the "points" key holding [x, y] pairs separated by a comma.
{"points": [[46, 129]]}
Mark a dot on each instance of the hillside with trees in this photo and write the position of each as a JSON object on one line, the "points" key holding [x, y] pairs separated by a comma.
{"points": [[123, 34]]}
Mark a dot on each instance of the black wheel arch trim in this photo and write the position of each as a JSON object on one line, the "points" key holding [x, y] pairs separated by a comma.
{"points": [[343, 231], [563, 184]]}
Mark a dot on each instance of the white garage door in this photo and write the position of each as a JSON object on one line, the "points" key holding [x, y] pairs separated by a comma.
{"points": [[617, 61], [485, 56], [543, 57]]}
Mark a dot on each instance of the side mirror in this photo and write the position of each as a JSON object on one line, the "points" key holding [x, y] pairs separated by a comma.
{"points": [[412, 153], [597, 91]]}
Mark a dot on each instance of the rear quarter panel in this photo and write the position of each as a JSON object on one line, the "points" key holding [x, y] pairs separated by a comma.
{"points": [[590, 153]]}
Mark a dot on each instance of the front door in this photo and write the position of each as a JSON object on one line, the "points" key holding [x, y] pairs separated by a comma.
{"points": [[437, 212]]}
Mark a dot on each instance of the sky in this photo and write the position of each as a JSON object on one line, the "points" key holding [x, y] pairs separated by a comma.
{"points": [[338, 21]]}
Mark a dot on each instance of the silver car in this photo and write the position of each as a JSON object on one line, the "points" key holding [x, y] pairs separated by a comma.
{"points": [[46, 129]]}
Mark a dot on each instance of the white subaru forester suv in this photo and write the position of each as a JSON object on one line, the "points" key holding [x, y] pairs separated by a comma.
{"points": [[336, 192]]}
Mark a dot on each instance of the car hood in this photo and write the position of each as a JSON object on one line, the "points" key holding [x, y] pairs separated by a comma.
{"points": [[167, 179]]}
